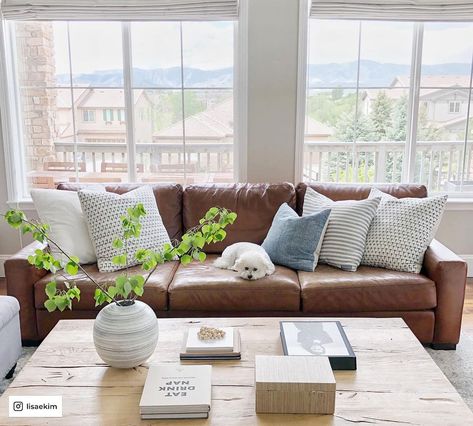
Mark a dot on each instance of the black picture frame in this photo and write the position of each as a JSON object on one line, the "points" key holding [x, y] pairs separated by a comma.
{"points": [[337, 362]]}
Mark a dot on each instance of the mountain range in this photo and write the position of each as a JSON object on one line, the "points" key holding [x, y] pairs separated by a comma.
{"points": [[372, 74]]}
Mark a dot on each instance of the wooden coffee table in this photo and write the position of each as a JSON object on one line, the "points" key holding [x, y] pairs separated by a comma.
{"points": [[396, 382]]}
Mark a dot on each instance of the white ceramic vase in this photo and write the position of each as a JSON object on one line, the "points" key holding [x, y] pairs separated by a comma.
{"points": [[125, 336]]}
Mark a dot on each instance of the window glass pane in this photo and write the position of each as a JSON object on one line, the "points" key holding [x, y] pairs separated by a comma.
{"points": [[385, 54], [96, 54], [357, 135], [446, 54], [208, 54], [209, 135], [159, 135], [441, 137], [156, 53], [333, 53]]}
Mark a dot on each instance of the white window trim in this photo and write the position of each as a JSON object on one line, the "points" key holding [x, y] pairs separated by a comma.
{"points": [[11, 132], [459, 201], [240, 95]]}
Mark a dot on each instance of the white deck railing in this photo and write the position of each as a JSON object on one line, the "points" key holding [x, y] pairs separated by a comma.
{"points": [[438, 164]]}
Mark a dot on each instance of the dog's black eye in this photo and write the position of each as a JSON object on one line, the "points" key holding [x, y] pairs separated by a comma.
{"points": [[255, 269], [246, 268]]}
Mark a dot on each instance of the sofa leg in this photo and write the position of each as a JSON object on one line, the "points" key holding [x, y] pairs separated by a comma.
{"points": [[444, 346], [10, 373]]}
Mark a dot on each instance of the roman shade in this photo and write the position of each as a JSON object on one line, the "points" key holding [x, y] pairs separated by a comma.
{"points": [[397, 10], [123, 10]]}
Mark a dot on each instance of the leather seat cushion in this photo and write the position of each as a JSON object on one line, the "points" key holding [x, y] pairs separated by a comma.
{"points": [[201, 286], [369, 289], [155, 294]]}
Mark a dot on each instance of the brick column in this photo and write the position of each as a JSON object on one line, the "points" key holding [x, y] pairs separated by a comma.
{"points": [[36, 71]]}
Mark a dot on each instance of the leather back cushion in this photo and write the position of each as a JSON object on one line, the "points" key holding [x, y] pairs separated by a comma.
{"points": [[340, 191], [255, 204], [168, 198]]}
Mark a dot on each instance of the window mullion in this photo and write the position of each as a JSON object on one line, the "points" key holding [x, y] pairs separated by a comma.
{"points": [[408, 174], [127, 82]]}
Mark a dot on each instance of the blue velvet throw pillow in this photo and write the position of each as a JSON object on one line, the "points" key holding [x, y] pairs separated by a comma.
{"points": [[295, 241]]}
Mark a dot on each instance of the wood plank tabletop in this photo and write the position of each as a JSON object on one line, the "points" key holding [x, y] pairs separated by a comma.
{"points": [[396, 382]]}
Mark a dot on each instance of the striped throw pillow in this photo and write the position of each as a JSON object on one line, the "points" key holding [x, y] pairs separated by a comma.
{"points": [[348, 225]]}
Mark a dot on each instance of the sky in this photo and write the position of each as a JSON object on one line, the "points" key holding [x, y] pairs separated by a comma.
{"points": [[337, 41], [98, 45]]}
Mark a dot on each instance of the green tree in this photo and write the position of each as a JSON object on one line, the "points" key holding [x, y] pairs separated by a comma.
{"points": [[399, 120], [380, 116], [349, 129]]}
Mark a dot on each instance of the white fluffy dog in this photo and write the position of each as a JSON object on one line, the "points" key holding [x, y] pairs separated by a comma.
{"points": [[250, 261]]}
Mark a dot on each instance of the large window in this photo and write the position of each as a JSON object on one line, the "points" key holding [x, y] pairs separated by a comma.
{"points": [[118, 102], [388, 102]]}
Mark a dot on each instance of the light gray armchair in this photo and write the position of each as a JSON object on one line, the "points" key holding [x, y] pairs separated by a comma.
{"points": [[10, 336]]}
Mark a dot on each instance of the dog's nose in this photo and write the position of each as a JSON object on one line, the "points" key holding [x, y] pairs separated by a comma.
{"points": [[250, 276]]}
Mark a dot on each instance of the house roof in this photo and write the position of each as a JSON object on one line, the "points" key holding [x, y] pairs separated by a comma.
{"points": [[316, 128], [95, 98], [213, 123]]}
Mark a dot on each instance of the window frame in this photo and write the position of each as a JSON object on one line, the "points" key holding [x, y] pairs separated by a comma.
{"points": [[408, 169], [11, 131]]}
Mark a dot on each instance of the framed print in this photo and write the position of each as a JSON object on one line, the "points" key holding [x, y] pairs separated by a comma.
{"points": [[318, 338]]}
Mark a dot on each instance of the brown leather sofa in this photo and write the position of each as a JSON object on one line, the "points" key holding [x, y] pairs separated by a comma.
{"points": [[431, 303]]}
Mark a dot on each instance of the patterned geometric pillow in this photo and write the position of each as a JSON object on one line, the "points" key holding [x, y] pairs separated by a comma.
{"points": [[401, 231], [102, 211], [344, 240]]}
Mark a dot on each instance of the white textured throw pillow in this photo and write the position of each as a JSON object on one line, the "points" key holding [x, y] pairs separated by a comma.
{"points": [[103, 211], [344, 241], [62, 211], [401, 231]]}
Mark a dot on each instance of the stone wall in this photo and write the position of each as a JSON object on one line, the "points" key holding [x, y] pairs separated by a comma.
{"points": [[36, 72]]}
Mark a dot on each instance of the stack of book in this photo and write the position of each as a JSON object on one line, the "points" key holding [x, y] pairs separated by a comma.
{"points": [[226, 348], [174, 391]]}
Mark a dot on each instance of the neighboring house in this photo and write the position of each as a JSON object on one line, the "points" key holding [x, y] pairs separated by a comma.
{"points": [[316, 131], [443, 99], [215, 124], [100, 116]]}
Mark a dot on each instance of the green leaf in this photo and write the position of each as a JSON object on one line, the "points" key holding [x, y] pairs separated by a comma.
{"points": [[137, 280], [121, 280], [199, 242], [202, 256], [112, 291], [127, 288], [117, 243], [139, 291], [71, 268], [186, 259], [50, 305], [220, 235], [62, 302], [51, 289], [119, 260]]}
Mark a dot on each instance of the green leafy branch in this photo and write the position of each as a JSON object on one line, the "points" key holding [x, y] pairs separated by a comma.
{"points": [[211, 229], [57, 298]]}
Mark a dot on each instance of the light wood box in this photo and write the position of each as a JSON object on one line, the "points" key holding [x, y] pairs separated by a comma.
{"points": [[294, 384]]}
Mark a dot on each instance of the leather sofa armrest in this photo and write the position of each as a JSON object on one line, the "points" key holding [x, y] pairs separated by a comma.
{"points": [[21, 277], [448, 271]]}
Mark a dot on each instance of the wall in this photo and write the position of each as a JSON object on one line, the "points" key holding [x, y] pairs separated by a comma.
{"points": [[272, 83], [272, 79]]}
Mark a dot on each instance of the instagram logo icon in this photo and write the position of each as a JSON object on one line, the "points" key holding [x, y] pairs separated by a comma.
{"points": [[17, 406]]}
